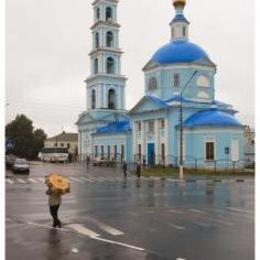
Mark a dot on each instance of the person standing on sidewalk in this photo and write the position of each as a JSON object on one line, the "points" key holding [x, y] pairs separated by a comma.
{"points": [[138, 170], [125, 168], [54, 204]]}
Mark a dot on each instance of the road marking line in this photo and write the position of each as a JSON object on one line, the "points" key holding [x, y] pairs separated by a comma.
{"points": [[177, 227], [32, 180], [240, 210], [41, 179], [197, 211], [119, 243], [111, 230], [175, 211], [20, 180], [9, 181], [180, 258], [86, 179], [75, 179], [83, 230]]}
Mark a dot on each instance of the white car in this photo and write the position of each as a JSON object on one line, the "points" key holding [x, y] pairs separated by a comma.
{"points": [[21, 165]]}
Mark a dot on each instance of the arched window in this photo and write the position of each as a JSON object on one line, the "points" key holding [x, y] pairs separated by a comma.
{"points": [[109, 39], [97, 40], [93, 99], [108, 13], [111, 99], [110, 66], [96, 66], [152, 84], [98, 13]]}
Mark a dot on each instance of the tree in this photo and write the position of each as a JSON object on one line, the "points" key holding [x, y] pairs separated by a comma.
{"points": [[27, 142]]}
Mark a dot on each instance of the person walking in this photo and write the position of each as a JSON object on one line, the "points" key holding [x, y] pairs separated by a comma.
{"points": [[54, 204], [125, 168]]}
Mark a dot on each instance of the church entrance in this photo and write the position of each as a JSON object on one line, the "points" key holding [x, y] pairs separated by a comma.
{"points": [[151, 154]]}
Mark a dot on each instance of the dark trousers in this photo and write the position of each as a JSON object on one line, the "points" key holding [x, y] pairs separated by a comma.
{"points": [[54, 214]]}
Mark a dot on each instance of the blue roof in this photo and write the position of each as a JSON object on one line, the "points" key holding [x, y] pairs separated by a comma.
{"points": [[179, 52], [114, 127], [178, 99], [158, 101], [179, 18], [211, 117]]}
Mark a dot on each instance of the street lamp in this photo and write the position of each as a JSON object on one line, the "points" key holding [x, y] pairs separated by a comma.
{"points": [[181, 125]]}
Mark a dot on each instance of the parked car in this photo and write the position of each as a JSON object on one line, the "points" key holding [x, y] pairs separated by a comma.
{"points": [[9, 160], [21, 165]]}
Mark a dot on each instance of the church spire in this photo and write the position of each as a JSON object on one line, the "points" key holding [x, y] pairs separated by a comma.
{"points": [[179, 24]]}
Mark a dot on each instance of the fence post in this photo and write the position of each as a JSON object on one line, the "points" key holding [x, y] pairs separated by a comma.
{"points": [[196, 168], [234, 167], [215, 166]]}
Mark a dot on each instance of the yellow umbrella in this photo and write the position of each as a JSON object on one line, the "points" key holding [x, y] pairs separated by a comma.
{"points": [[57, 183]]}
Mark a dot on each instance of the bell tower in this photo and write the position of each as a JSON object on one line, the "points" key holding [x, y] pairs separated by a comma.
{"points": [[105, 85], [179, 24]]}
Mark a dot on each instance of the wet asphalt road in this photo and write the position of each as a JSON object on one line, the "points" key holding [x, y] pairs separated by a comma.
{"points": [[108, 217]]}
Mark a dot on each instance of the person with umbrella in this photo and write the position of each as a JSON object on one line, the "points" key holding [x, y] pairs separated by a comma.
{"points": [[57, 186]]}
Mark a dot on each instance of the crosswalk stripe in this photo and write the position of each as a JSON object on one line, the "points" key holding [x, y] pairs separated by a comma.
{"points": [[9, 181], [75, 179], [32, 180], [21, 181], [86, 179], [177, 227], [83, 230], [111, 230], [240, 210], [41, 179]]}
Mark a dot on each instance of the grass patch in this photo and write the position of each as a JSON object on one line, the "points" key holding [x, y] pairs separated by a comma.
{"points": [[174, 172]]}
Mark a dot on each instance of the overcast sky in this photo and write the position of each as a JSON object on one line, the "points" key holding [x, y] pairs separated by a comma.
{"points": [[48, 42]]}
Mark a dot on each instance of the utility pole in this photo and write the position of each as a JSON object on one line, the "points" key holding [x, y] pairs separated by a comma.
{"points": [[181, 170]]}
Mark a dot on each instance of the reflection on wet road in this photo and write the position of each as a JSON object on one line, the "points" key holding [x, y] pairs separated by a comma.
{"points": [[109, 217]]}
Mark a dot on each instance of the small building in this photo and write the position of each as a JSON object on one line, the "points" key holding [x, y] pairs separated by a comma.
{"points": [[63, 140], [249, 145]]}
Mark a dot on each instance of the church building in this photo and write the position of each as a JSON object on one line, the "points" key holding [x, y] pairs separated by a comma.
{"points": [[179, 82]]}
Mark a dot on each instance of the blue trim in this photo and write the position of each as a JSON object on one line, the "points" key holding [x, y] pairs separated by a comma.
{"points": [[114, 127], [158, 101], [179, 18]]}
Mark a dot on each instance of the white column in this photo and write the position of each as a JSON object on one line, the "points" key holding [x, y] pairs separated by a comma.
{"points": [[134, 140], [166, 133], [157, 141], [143, 138]]}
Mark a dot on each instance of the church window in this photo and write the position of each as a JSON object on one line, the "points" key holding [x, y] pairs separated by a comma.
{"points": [[138, 126], [152, 83], [108, 14], [210, 155], [109, 39], [122, 152], [96, 66], [162, 124], [102, 151], [98, 13], [176, 79], [97, 40], [108, 152], [96, 151], [151, 127], [110, 66], [93, 99], [203, 81], [111, 99], [184, 31], [115, 152]]}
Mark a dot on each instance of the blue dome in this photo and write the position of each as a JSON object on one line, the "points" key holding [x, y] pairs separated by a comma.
{"points": [[179, 52], [212, 117]]}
